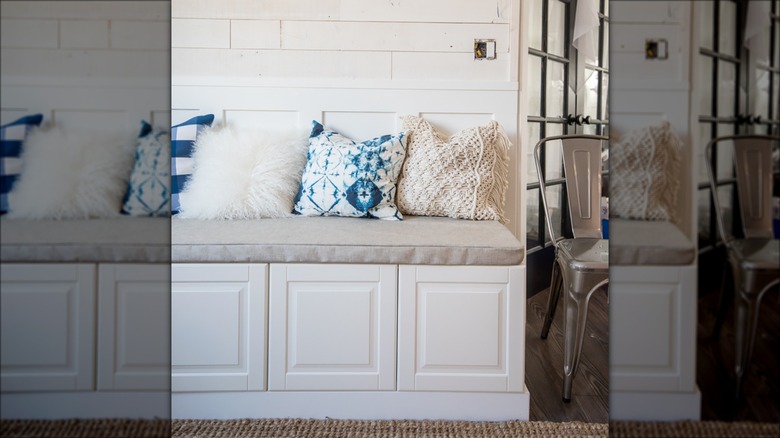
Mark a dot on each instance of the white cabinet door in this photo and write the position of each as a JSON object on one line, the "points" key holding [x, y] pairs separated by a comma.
{"points": [[134, 323], [48, 326], [652, 328], [332, 327], [218, 334], [461, 328]]}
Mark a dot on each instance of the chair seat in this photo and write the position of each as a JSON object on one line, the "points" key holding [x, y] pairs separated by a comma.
{"points": [[585, 254], [757, 254]]}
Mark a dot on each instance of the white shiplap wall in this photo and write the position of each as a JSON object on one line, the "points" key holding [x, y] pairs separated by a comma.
{"points": [[643, 92], [366, 39], [331, 59], [67, 46]]}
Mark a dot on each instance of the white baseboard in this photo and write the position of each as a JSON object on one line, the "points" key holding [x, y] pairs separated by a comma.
{"points": [[95, 404], [368, 405], [655, 406]]}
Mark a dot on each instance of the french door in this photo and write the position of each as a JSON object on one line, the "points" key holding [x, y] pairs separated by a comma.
{"points": [[567, 95], [739, 93]]}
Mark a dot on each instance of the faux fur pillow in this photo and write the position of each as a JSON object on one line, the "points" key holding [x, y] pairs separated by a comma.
{"points": [[72, 174], [465, 176], [244, 173], [644, 174]]}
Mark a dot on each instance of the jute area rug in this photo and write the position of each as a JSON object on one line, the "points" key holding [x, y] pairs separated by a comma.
{"points": [[294, 428]]}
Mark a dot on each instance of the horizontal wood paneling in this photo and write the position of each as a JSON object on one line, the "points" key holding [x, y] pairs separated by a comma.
{"points": [[416, 37], [255, 34], [432, 40], [84, 34], [257, 9], [200, 33], [29, 33], [448, 66], [431, 11], [280, 63], [86, 10], [141, 35], [92, 41]]}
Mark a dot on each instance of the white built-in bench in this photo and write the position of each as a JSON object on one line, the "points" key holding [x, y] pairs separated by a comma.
{"points": [[85, 318], [652, 309], [347, 318]]}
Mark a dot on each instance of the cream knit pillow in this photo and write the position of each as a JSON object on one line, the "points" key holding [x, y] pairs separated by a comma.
{"points": [[644, 174], [464, 177]]}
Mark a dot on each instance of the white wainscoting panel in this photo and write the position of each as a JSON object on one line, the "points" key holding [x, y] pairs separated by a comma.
{"points": [[364, 113], [48, 326], [332, 327], [134, 324], [218, 327], [653, 328], [460, 328]]}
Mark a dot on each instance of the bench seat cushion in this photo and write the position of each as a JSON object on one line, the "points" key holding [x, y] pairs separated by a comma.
{"points": [[124, 239], [658, 243], [415, 240]]}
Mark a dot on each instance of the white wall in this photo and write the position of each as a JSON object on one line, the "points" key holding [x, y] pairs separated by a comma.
{"points": [[328, 59], [644, 92], [89, 44], [355, 39]]}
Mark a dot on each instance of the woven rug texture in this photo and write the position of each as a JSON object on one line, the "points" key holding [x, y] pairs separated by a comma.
{"points": [[696, 429], [93, 428], [296, 428]]}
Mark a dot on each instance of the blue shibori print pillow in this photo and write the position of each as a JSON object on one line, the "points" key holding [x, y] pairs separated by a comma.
{"points": [[346, 178], [12, 138], [149, 191], [183, 137]]}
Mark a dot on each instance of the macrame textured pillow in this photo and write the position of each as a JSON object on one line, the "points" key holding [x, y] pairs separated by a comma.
{"points": [[244, 173], [464, 177], [644, 174], [347, 178]]}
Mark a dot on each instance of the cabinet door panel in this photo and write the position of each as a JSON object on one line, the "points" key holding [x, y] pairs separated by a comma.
{"points": [[652, 329], [461, 328], [134, 324], [48, 326], [218, 339], [332, 327]]}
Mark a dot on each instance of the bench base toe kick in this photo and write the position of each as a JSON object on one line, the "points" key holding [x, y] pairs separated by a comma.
{"points": [[354, 341], [358, 405]]}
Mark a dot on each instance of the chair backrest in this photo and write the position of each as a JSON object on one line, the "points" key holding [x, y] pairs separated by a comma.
{"points": [[582, 170], [753, 161]]}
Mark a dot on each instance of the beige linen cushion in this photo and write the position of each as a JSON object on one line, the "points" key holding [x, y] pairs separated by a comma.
{"points": [[657, 243], [332, 239], [463, 177], [644, 174]]}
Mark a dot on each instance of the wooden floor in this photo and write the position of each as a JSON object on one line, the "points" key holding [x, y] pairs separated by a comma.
{"points": [[544, 364], [715, 358]]}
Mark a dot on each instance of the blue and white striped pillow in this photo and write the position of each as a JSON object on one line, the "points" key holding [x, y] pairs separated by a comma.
{"points": [[183, 137], [12, 138]]}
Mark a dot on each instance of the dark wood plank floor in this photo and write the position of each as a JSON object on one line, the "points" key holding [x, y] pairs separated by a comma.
{"points": [[544, 364], [715, 370]]}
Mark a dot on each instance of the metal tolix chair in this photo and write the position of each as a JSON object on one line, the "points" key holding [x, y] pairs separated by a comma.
{"points": [[754, 259], [582, 263]]}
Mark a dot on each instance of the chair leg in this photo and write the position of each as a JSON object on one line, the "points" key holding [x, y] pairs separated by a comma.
{"points": [[746, 321], [574, 334], [556, 285]]}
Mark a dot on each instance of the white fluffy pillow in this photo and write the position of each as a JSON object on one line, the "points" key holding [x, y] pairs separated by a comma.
{"points": [[244, 173], [72, 174]]}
